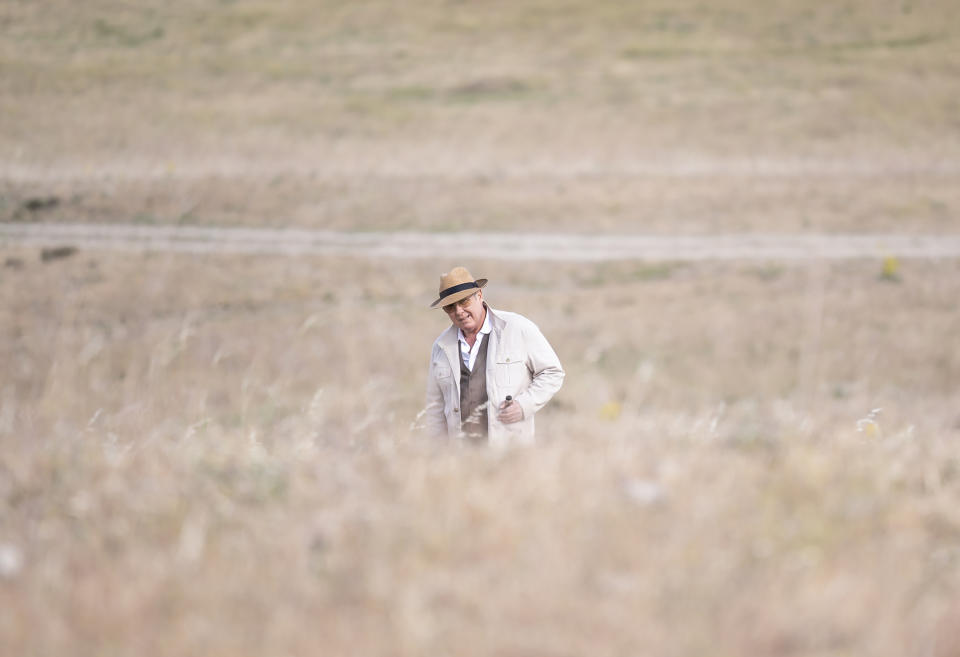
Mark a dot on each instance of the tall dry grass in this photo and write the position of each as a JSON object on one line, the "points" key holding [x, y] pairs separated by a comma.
{"points": [[216, 457]]}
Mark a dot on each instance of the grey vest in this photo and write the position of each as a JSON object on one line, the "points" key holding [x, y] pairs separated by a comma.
{"points": [[473, 394]]}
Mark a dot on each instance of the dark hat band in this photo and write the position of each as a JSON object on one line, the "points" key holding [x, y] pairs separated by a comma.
{"points": [[457, 288]]}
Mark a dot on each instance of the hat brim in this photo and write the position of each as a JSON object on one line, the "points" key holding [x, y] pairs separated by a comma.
{"points": [[456, 296]]}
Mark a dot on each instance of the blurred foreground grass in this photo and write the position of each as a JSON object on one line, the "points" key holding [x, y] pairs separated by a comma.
{"points": [[215, 543], [215, 457]]}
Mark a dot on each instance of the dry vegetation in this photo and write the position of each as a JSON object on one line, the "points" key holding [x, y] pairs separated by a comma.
{"points": [[677, 116], [227, 467], [218, 455]]}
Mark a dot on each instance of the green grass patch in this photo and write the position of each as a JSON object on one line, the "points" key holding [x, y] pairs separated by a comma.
{"points": [[124, 36]]}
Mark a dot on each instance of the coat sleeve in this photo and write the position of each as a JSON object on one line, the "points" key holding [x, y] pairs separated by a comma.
{"points": [[435, 421], [545, 369]]}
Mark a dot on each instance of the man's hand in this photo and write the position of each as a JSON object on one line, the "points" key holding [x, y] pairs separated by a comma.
{"points": [[510, 412]]}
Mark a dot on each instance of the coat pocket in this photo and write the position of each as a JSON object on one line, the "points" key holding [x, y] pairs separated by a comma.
{"points": [[507, 370], [441, 371]]}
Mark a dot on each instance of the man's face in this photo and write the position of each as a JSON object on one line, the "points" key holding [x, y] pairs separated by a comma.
{"points": [[467, 314]]}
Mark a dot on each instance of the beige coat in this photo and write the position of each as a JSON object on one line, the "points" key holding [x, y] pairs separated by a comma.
{"points": [[520, 362]]}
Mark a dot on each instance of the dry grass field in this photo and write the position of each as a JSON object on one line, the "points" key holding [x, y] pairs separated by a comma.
{"points": [[653, 116], [215, 457], [219, 455]]}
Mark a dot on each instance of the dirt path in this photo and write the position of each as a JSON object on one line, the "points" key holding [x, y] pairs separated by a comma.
{"points": [[438, 164], [499, 246]]}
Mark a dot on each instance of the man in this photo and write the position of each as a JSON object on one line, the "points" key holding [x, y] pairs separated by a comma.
{"points": [[490, 371]]}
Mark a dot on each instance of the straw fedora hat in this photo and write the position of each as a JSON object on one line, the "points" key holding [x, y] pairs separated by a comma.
{"points": [[457, 284]]}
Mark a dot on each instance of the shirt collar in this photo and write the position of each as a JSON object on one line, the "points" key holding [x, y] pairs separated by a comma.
{"points": [[484, 330]]}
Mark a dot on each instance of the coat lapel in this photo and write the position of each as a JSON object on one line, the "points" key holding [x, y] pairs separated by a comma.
{"points": [[451, 347], [496, 325]]}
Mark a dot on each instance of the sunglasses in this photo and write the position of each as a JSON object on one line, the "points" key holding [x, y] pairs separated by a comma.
{"points": [[463, 303]]}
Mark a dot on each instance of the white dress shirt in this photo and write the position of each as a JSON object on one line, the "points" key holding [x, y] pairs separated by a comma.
{"points": [[469, 355]]}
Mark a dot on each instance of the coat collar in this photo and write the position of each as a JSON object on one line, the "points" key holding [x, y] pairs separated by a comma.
{"points": [[450, 342]]}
